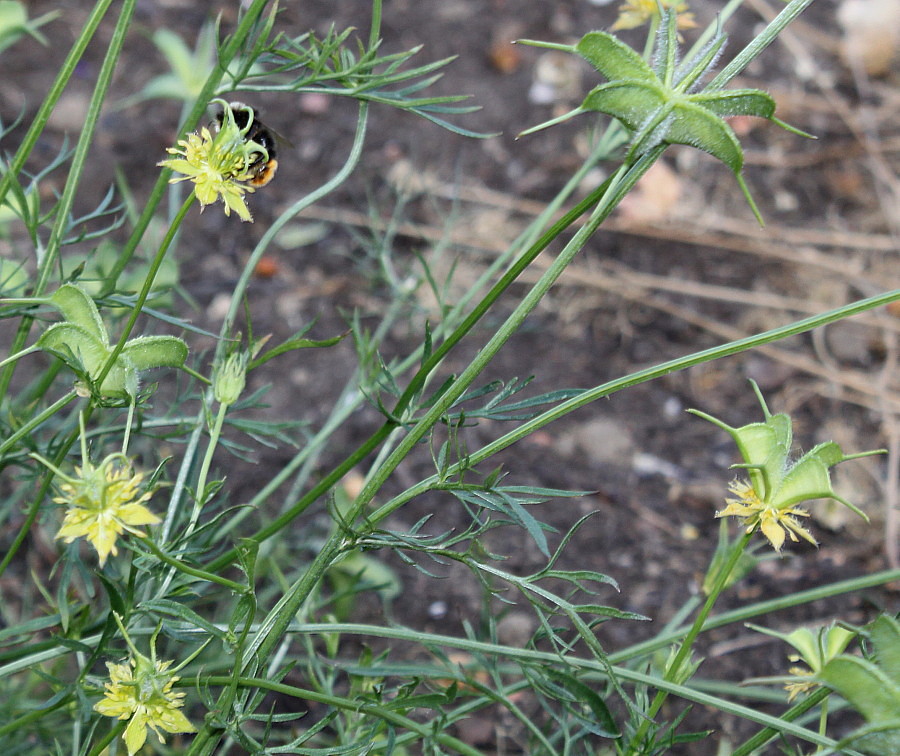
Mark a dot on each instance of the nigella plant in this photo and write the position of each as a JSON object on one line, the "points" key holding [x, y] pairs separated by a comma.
{"points": [[664, 102], [771, 500]]}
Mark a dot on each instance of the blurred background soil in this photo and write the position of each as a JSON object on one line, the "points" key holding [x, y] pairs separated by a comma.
{"points": [[682, 266]]}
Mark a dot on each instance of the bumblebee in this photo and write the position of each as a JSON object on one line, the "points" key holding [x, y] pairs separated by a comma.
{"points": [[262, 169]]}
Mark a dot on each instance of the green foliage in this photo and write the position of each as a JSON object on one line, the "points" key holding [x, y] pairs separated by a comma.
{"points": [[872, 686], [83, 344], [14, 23], [663, 105], [225, 614], [779, 482]]}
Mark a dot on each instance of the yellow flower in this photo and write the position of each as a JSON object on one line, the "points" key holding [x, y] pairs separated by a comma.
{"points": [[774, 522], [817, 648], [103, 502], [800, 685], [145, 696], [634, 13], [218, 165]]}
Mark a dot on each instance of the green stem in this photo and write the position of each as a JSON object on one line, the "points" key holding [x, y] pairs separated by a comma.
{"points": [[386, 713], [633, 379], [226, 54], [62, 79], [280, 617], [684, 651], [35, 421], [149, 278], [180, 566], [41, 492], [64, 206], [33, 716], [778, 724], [85, 142], [854, 585], [199, 497], [823, 720], [104, 742], [615, 189], [764, 736], [759, 43]]}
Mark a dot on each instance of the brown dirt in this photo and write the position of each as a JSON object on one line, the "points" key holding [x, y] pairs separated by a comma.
{"points": [[655, 286]]}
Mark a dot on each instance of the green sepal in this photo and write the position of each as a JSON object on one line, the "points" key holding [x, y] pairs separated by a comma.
{"points": [[78, 308], [75, 346], [765, 449], [868, 688], [612, 57], [885, 635], [808, 478], [147, 352], [697, 126], [734, 102], [629, 101], [656, 104], [82, 342]]}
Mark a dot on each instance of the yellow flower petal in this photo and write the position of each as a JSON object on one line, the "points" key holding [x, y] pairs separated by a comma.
{"points": [[136, 514], [142, 690], [135, 734], [773, 531], [103, 503], [174, 721]]}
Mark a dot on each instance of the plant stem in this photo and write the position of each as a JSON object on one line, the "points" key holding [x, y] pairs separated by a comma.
{"points": [[687, 643], [226, 54], [35, 421], [615, 189], [149, 278], [759, 43], [59, 84], [85, 140], [386, 713], [633, 379], [41, 491], [768, 734]]}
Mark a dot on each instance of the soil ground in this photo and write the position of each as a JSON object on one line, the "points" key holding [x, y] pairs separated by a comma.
{"points": [[683, 267]]}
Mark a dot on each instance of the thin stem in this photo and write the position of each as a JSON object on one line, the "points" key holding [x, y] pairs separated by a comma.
{"points": [[615, 189], [200, 492], [633, 379], [40, 494], [85, 140], [684, 651], [418, 380], [180, 566], [769, 733], [35, 421], [386, 713], [759, 43], [59, 84], [149, 278], [744, 613]]}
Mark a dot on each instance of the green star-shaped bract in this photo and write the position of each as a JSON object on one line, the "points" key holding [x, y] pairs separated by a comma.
{"points": [[660, 104], [779, 482]]}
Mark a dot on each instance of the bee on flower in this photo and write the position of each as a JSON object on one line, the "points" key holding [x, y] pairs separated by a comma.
{"points": [[223, 165]]}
